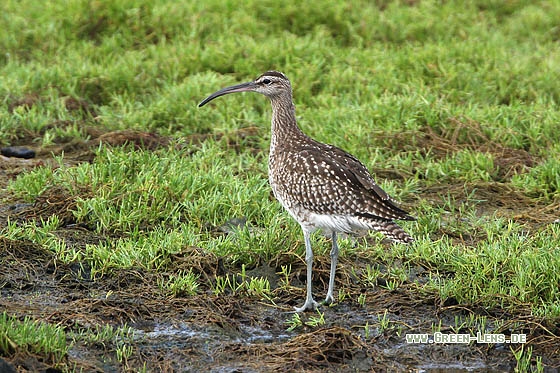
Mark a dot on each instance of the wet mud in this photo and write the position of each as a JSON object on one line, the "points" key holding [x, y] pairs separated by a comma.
{"points": [[244, 333]]}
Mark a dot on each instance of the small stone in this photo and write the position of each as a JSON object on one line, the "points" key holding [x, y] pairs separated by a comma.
{"points": [[18, 152], [232, 225]]}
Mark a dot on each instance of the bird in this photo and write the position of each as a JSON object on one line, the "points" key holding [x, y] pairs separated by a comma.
{"points": [[321, 186]]}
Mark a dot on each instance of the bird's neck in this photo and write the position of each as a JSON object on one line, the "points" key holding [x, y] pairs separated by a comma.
{"points": [[284, 125]]}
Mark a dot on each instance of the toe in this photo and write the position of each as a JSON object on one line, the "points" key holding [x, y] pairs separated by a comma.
{"points": [[309, 305]]}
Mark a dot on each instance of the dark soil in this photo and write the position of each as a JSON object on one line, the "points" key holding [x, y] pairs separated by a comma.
{"points": [[240, 333]]}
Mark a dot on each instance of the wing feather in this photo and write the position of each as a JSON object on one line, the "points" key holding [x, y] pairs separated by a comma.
{"points": [[326, 179]]}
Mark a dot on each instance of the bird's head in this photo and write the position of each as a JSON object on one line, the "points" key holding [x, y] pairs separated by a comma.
{"points": [[272, 84]]}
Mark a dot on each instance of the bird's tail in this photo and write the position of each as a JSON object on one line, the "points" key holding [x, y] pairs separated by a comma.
{"points": [[391, 230]]}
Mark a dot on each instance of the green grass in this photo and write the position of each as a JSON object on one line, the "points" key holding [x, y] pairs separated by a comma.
{"points": [[118, 340], [249, 286], [370, 77], [33, 337]]}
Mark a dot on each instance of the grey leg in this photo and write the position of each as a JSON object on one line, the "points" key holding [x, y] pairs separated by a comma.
{"points": [[334, 261], [309, 304]]}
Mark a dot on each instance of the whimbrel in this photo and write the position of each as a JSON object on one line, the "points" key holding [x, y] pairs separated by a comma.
{"points": [[320, 185]]}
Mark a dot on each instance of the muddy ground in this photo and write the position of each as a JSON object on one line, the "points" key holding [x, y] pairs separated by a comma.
{"points": [[234, 333]]}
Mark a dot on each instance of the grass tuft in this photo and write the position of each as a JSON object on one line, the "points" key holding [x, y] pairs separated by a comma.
{"points": [[33, 337]]}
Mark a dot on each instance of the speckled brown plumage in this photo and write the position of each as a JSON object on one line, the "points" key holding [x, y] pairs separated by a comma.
{"points": [[320, 185]]}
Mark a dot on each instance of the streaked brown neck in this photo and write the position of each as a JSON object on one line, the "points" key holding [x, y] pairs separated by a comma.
{"points": [[284, 126]]}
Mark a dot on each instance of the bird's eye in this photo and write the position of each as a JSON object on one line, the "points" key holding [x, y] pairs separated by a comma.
{"points": [[266, 81]]}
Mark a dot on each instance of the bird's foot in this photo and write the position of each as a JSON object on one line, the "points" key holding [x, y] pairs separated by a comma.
{"points": [[309, 304], [329, 299]]}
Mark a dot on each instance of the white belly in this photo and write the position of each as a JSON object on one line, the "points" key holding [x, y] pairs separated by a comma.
{"points": [[337, 223], [311, 221]]}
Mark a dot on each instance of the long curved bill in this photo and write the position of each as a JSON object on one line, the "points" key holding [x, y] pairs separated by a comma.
{"points": [[243, 87]]}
